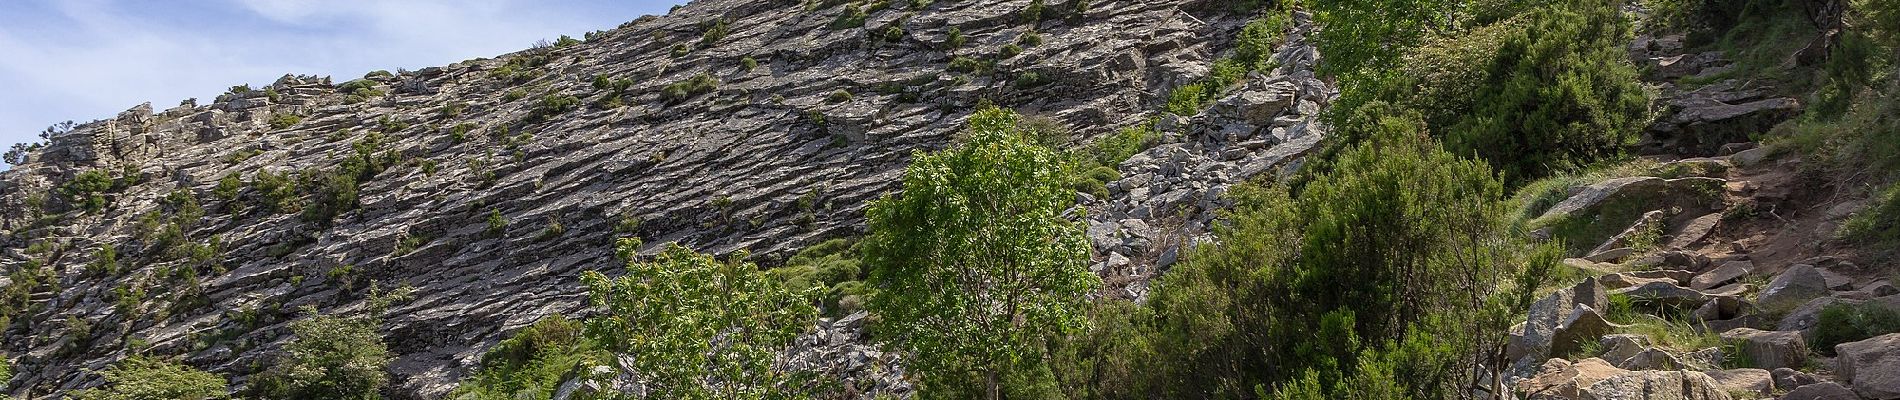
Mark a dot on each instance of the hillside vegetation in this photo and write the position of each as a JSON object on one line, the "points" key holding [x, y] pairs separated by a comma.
{"points": [[1470, 199]]}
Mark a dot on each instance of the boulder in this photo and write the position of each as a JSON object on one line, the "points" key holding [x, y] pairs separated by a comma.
{"points": [[1621, 280], [1799, 284], [1820, 391], [1752, 380], [1651, 359], [1656, 385], [1559, 379], [1664, 294], [1622, 346], [1583, 325], [1728, 272], [1872, 366], [1787, 378], [1532, 340], [1769, 349]]}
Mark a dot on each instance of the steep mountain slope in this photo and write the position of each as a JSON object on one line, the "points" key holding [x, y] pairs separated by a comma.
{"points": [[489, 185]]}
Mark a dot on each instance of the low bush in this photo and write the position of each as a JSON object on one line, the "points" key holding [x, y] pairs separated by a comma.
{"points": [[328, 357], [533, 363], [1844, 323], [141, 378], [695, 86]]}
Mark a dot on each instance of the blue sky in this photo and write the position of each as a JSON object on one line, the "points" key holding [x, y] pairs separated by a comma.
{"points": [[89, 59]]}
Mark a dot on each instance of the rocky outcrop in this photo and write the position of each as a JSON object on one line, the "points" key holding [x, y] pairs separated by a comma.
{"points": [[1169, 195], [767, 159], [1769, 349]]}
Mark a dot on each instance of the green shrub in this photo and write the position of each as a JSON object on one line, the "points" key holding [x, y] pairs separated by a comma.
{"points": [[1030, 79], [954, 38], [1257, 40], [276, 191], [1844, 323], [496, 224], [552, 105], [852, 17], [1186, 100], [749, 63], [703, 328], [697, 85], [715, 32], [87, 189], [565, 41], [974, 262], [838, 96], [533, 363], [284, 120], [1010, 51], [379, 74], [328, 357], [967, 65], [1030, 39], [142, 378]]}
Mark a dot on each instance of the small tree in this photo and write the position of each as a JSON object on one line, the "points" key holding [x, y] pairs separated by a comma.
{"points": [[330, 358], [701, 328], [975, 264], [140, 378]]}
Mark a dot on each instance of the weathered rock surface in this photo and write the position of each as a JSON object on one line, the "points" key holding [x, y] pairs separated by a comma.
{"points": [[1656, 385], [761, 162], [1821, 391], [1750, 380], [1871, 367], [1794, 287], [1770, 349]]}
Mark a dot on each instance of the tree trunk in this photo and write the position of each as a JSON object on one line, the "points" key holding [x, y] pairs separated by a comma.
{"points": [[994, 388]]}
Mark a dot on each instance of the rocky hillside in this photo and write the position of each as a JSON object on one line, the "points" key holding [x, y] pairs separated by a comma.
{"points": [[488, 185]]}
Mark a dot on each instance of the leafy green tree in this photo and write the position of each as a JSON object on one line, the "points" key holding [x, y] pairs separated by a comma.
{"points": [[700, 328], [330, 358], [975, 263], [142, 378], [1371, 35]]}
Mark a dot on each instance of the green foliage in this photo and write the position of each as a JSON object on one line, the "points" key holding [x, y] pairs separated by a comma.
{"points": [[87, 189], [838, 96], [142, 378], [329, 358], [1880, 221], [715, 31], [831, 268], [284, 120], [552, 105], [360, 90], [749, 63], [521, 68], [1548, 91], [496, 224], [276, 190], [968, 65], [1009, 51], [1254, 47], [533, 363], [954, 38], [695, 86], [974, 265], [1843, 323], [1186, 100], [701, 328], [852, 17], [893, 33], [1372, 35], [105, 261], [565, 41]]}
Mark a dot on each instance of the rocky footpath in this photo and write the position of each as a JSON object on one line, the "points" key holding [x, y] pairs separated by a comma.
{"points": [[1709, 267], [726, 125]]}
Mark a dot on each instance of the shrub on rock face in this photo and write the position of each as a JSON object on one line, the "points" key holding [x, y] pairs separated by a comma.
{"points": [[87, 189], [697, 85], [141, 378], [1842, 323], [329, 358]]}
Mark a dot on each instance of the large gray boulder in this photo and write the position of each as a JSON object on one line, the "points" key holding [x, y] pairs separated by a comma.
{"points": [[1748, 380], [1872, 366], [1531, 341], [1799, 284], [1769, 349], [1657, 385], [1821, 391]]}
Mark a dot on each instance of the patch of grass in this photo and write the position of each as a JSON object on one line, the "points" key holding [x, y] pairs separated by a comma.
{"points": [[695, 86], [1844, 323]]}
